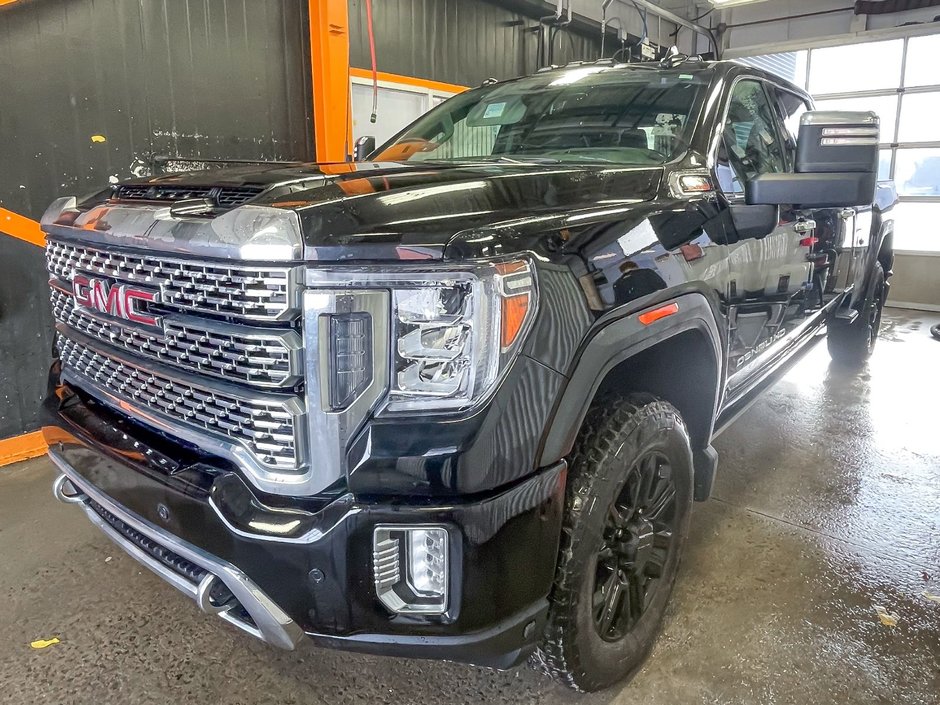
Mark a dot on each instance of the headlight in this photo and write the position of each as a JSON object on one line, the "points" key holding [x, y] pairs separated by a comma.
{"points": [[405, 338], [452, 330], [454, 334]]}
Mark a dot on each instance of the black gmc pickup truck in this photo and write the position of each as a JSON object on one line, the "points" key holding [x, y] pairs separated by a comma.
{"points": [[455, 402]]}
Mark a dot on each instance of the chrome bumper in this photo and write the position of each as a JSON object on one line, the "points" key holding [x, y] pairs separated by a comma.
{"points": [[223, 590]]}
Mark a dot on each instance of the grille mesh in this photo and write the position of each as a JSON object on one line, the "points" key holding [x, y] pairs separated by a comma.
{"points": [[256, 293], [265, 361], [266, 428], [174, 561]]}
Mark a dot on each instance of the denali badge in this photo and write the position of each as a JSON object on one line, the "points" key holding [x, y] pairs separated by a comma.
{"points": [[120, 300]]}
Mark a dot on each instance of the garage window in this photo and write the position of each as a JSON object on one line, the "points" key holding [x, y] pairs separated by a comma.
{"points": [[898, 80]]}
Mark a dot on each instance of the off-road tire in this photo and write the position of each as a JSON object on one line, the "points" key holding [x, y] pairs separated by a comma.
{"points": [[615, 436], [851, 345]]}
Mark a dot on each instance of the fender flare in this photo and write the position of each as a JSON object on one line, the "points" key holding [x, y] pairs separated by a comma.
{"points": [[605, 348], [886, 228]]}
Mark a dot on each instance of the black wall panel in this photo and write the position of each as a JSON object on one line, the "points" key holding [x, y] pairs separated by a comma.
{"points": [[182, 78], [457, 41]]}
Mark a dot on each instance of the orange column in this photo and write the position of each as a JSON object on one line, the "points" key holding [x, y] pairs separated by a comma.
{"points": [[329, 67]]}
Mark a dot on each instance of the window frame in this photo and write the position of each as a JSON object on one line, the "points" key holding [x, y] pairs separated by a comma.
{"points": [[779, 127], [790, 139]]}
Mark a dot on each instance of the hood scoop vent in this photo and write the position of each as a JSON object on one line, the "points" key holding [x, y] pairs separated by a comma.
{"points": [[220, 196]]}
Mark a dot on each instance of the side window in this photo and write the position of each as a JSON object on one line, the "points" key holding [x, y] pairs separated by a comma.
{"points": [[791, 107], [750, 142]]}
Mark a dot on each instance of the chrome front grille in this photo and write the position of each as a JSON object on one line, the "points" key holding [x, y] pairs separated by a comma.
{"points": [[258, 356], [259, 293], [221, 369], [269, 427]]}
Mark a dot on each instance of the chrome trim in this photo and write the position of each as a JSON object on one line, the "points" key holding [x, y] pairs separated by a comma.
{"points": [[678, 192], [840, 117], [383, 568], [303, 481], [264, 480], [272, 624], [247, 232], [182, 332], [204, 592], [312, 536], [59, 491], [329, 431], [176, 278], [850, 131], [848, 142]]}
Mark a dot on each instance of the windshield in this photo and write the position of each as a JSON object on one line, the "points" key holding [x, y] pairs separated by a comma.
{"points": [[590, 114]]}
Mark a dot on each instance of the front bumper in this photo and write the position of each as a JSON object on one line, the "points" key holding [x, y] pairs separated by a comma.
{"points": [[216, 546], [248, 608]]}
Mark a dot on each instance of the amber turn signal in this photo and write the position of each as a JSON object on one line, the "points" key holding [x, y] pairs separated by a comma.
{"points": [[516, 287], [657, 313]]}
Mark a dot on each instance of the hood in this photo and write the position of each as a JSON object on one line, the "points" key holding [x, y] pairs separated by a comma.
{"points": [[367, 211], [413, 211]]}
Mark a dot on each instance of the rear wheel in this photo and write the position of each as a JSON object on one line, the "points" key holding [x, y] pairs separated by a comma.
{"points": [[854, 343], [628, 504]]}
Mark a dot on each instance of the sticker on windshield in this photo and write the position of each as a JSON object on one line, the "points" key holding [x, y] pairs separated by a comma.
{"points": [[494, 110]]}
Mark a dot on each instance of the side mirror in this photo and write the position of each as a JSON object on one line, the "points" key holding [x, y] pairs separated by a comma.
{"points": [[364, 146], [836, 164], [753, 221]]}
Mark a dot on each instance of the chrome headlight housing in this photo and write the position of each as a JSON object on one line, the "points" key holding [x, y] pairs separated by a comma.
{"points": [[453, 335], [453, 329]]}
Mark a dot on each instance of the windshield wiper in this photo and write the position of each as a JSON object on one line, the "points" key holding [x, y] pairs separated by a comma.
{"points": [[503, 159]]}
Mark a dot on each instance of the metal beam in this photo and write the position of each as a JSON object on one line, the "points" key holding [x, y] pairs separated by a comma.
{"points": [[677, 19]]}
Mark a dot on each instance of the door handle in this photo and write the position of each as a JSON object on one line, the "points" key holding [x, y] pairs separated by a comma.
{"points": [[804, 226]]}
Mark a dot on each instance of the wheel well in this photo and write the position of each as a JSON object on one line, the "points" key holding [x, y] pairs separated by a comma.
{"points": [[681, 370]]}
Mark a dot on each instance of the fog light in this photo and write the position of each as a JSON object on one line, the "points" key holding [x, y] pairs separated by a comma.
{"points": [[410, 566]]}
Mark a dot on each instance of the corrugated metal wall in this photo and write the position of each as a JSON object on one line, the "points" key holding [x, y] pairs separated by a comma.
{"points": [[456, 41], [184, 78]]}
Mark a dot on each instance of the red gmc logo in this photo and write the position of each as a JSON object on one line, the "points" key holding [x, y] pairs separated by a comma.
{"points": [[120, 300]]}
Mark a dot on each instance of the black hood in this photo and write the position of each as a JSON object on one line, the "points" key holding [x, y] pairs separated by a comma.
{"points": [[413, 210]]}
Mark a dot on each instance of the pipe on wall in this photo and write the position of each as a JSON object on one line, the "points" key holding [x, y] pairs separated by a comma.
{"points": [[676, 19]]}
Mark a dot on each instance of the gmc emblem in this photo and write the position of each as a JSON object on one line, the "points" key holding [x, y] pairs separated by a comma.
{"points": [[120, 300]]}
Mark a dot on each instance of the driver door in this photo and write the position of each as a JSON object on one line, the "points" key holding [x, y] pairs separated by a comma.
{"points": [[770, 275]]}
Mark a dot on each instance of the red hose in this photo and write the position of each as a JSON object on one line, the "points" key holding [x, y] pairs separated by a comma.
{"points": [[375, 73]]}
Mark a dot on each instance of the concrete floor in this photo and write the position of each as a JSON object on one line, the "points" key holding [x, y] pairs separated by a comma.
{"points": [[827, 504]]}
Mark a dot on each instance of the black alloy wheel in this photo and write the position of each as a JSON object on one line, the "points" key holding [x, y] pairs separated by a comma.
{"points": [[638, 540], [627, 508]]}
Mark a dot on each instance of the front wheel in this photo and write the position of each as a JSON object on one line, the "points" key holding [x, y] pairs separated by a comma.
{"points": [[854, 343], [627, 515]]}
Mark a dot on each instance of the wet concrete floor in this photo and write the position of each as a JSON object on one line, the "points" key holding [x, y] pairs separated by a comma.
{"points": [[827, 504]]}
